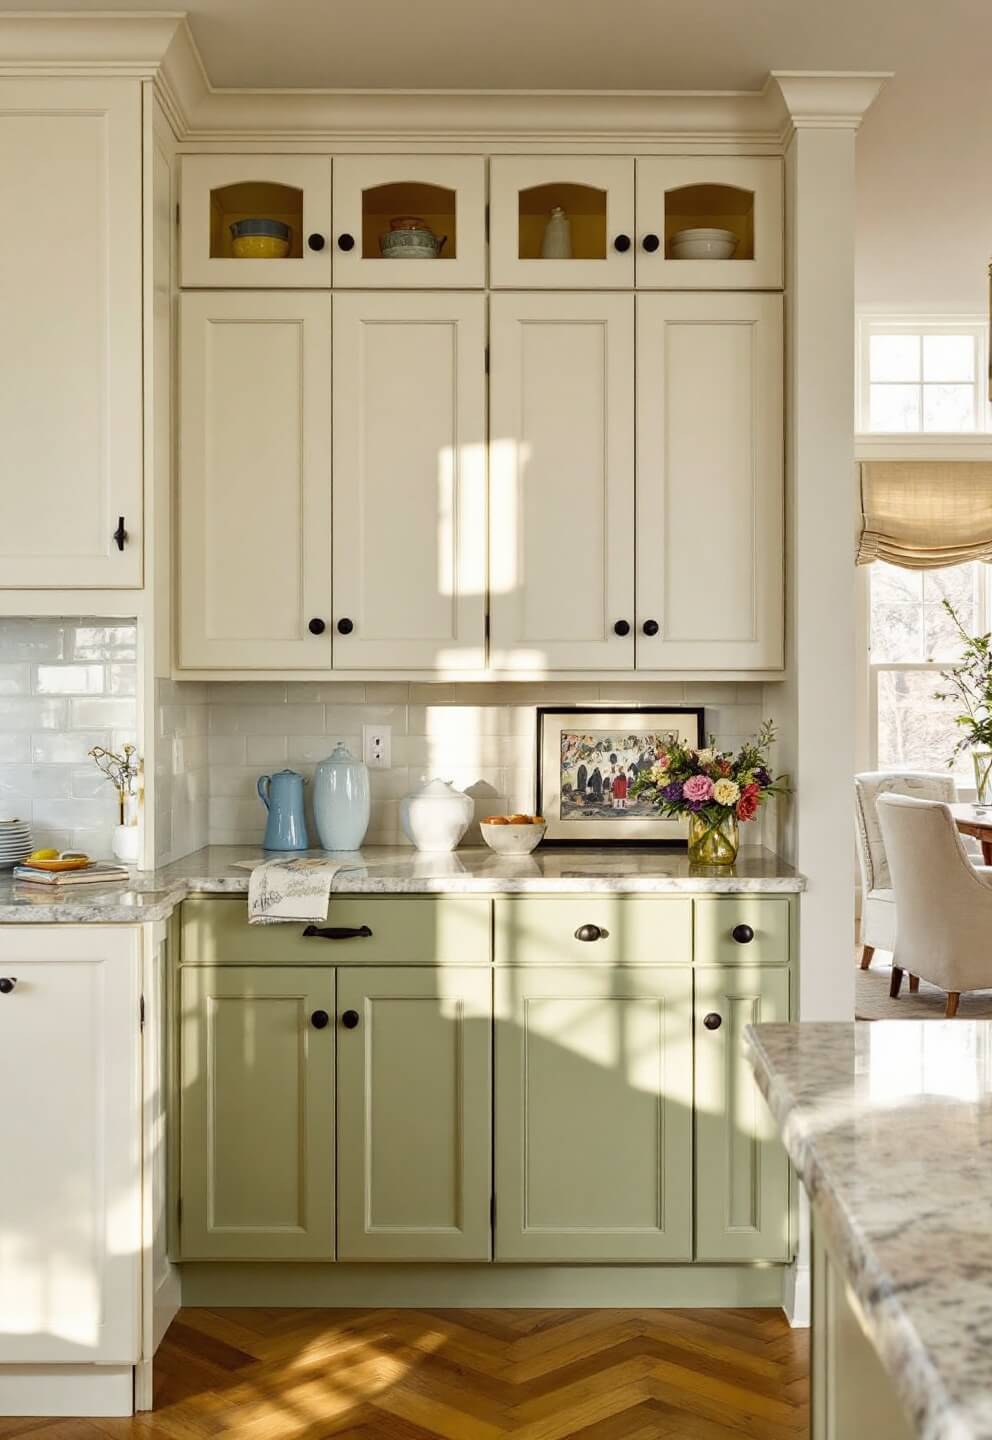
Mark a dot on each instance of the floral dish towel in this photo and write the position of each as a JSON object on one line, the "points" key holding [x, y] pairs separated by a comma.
{"points": [[288, 890]]}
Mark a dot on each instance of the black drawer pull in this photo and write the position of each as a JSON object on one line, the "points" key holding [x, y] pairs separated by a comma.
{"points": [[712, 1021], [591, 932], [349, 1019], [7, 983], [338, 932], [319, 1019], [743, 934]]}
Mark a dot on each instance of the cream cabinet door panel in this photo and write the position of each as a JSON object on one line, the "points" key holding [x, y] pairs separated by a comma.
{"points": [[70, 298], [257, 1098], [70, 1141], [596, 193], [742, 1171], [561, 482], [593, 1114], [410, 481], [710, 522], [255, 480], [446, 191], [414, 1114]]}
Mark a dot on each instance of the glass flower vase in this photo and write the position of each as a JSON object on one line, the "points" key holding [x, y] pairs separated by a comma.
{"points": [[713, 842], [982, 761]]}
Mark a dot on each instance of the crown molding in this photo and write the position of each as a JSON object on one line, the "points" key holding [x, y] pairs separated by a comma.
{"points": [[827, 100], [96, 42]]}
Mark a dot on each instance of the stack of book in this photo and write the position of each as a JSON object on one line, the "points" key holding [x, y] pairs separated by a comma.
{"points": [[96, 873]]}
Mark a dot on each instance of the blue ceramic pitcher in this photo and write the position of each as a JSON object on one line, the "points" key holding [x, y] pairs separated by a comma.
{"points": [[282, 796]]}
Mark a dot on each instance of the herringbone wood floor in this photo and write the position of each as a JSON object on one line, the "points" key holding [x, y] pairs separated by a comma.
{"points": [[467, 1375]]}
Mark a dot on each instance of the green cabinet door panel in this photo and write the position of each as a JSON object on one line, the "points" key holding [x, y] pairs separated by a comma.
{"points": [[548, 930], [742, 1171], [593, 1084], [414, 1114], [257, 1113]]}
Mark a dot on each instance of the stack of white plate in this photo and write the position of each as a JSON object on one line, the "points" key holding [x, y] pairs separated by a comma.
{"points": [[15, 842], [703, 243]]}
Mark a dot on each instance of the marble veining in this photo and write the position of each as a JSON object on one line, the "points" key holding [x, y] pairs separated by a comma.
{"points": [[398, 870], [890, 1128]]}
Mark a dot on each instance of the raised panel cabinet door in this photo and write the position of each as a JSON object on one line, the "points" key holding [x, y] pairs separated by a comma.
{"points": [[70, 298], [742, 1171], [561, 483], [70, 1142], [593, 1106], [257, 1113], [710, 521], [561, 222], [414, 1114], [409, 481], [254, 568]]}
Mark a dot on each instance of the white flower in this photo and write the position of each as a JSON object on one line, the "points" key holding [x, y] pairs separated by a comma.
{"points": [[726, 792], [705, 757]]}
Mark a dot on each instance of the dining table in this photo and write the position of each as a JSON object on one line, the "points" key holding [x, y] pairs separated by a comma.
{"points": [[976, 821]]}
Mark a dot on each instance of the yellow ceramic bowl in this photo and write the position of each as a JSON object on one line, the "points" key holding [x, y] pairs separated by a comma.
{"points": [[259, 247]]}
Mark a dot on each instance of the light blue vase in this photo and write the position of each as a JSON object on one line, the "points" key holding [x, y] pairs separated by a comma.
{"points": [[342, 800], [282, 796]]}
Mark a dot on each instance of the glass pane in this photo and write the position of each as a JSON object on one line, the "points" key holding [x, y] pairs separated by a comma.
{"points": [[941, 637], [915, 731], [897, 633], [711, 207], [947, 357], [948, 407], [895, 407], [895, 357], [892, 583], [409, 220], [562, 221], [256, 220]]}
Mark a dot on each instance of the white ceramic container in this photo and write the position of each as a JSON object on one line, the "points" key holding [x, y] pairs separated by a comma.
{"points": [[436, 816], [513, 839], [126, 843], [703, 243], [342, 800]]}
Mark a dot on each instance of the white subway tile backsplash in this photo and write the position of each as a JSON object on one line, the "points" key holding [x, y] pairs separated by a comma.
{"points": [[65, 747], [119, 714], [15, 679], [88, 641], [33, 713], [32, 640], [266, 719], [230, 749], [16, 749], [70, 680]]}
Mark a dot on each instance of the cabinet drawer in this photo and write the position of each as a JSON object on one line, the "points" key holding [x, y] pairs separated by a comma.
{"points": [[405, 931], [548, 930], [741, 930]]}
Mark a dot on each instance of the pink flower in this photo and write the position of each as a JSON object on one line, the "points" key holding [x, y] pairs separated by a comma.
{"points": [[749, 803], [698, 788]]}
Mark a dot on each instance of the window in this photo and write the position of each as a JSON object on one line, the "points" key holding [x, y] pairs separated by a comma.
{"points": [[911, 639], [922, 377]]}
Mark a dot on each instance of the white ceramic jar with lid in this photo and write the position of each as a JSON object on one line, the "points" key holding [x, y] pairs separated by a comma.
{"points": [[341, 800], [436, 816]]}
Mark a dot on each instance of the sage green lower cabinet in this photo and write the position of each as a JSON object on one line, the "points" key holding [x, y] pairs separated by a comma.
{"points": [[414, 1113], [742, 1171], [257, 1113], [593, 1105]]}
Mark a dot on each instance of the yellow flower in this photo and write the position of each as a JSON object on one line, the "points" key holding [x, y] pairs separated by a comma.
{"points": [[726, 792]]}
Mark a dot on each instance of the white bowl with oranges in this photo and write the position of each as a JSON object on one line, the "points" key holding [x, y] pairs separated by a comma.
{"points": [[513, 834]]}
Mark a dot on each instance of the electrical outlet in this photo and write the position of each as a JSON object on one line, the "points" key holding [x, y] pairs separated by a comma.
{"points": [[377, 746]]}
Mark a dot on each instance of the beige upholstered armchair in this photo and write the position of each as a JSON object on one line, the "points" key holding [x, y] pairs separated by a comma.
{"points": [[943, 901], [878, 909]]}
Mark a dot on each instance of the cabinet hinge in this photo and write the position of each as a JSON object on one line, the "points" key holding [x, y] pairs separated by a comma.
{"points": [[492, 1210], [487, 224], [141, 1012], [177, 212], [487, 359], [179, 1210]]}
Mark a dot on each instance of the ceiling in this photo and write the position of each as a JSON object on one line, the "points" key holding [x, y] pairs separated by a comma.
{"points": [[924, 196]]}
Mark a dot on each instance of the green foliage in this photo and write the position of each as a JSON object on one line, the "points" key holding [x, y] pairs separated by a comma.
{"points": [[969, 685]]}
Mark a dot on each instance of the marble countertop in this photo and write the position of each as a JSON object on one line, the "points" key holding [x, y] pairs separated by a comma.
{"points": [[400, 870], [890, 1128]]}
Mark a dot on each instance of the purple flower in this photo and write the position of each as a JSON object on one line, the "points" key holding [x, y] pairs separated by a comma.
{"points": [[698, 788], [762, 776], [672, 792]]}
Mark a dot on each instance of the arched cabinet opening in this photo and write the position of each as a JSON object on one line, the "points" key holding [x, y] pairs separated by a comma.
{"points": [[726, 212], [409, 219], [562, 221], [256, 219]]}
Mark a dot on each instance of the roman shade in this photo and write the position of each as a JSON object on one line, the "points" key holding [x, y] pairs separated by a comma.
{"points": [[925, 514]]}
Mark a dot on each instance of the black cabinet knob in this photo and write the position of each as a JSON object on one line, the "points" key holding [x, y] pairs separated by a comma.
{"points": [[590, 932], [622, 243], [349, 1019], [320, 1019], [120, 534], [345, 626], [650, 627], [316, 242], [651, 243], [7, 983], [712, 1021], [622, 627], [743, 934], [346, 241], [316, 626]]}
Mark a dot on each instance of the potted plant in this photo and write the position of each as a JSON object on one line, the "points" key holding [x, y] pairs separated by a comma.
{"points": [[716, 789], [122, 771], [969, 685]]}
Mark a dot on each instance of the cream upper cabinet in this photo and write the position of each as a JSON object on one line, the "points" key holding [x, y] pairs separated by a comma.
{"points": [[255, 481], [738, 194], [710, 525], [562, 482], [414, 1113], [70, 301], [561, 222], [409, 481], [377, 195], [221, 191], [70, 1141]]}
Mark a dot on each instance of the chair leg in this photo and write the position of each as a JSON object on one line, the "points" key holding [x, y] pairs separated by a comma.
{"points": [[914, 984], [867, 951], [953, 996], [895, 982]]}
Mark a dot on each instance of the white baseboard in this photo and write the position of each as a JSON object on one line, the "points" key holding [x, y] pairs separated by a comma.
{"points": [[63, 1390], [797, 1296]]}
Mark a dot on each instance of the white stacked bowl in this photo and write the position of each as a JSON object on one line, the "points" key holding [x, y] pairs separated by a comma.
{"points": [[15, 842]]}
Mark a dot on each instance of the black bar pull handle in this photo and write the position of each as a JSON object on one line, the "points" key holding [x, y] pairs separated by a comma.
{"points": [[338, 932], [120, 534]]}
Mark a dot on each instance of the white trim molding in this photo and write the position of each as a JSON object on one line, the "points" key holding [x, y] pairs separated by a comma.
{"points": [[828, 99]]}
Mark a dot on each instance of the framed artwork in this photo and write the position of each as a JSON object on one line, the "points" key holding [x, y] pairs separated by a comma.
{"points": [[586, 762]]}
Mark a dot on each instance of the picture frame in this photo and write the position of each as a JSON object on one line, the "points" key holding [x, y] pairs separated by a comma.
{"points": [[582, 750]]}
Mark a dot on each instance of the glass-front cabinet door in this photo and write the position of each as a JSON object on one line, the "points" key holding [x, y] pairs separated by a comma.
{"points": [[256, 221], [562, 222], [410, 221], [709, 223]]}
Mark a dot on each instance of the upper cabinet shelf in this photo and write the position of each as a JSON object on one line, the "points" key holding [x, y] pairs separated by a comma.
{"points": [[562, 222], [410, 221], [235, 208]]}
